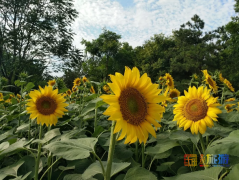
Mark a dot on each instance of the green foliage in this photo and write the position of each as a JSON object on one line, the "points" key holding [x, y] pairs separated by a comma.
{"points": [[208, 174], [72, 149], [30, 35], [106, 55]]}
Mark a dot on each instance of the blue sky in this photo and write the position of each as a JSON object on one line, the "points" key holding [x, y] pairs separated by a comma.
{"points": [[137, 20]]}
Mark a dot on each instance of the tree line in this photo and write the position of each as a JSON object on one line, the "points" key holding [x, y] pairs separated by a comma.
{"points": [[34, 33]]}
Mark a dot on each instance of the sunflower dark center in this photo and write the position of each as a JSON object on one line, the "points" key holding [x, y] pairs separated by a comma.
{"points": [[173, 94], [210, 81], [77, 82], [46, 105], [195, 109], [169, 82], [133, 106]]}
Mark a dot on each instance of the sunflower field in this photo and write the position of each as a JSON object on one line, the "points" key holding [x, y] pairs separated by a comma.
{"points": [[125, 129]]}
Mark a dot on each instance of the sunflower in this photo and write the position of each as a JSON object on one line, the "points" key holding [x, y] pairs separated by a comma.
{"points": [[173, 93], [9, 100], [92, 90], [230, 99], [74, 88], [195, 76], [196, 110], [229, 85], [1, 96], [164, 103], [205, 73], [18, 96], [77, 81], [221, 78], [64, 94], [134, 105], [229, 108], [106, 89], [52, 82], [212, 84], [84, 79], [68, 92], [46, 105], [169, 80]]}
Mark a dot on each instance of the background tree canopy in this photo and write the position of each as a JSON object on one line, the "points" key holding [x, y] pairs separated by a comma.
{"points": [[35, 33]]}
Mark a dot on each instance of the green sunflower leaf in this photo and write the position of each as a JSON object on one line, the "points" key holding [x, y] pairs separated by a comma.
{"points": [[139, 173], [72, 149], [208, 174]]}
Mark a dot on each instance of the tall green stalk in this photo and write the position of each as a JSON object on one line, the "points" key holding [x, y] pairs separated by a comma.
{"points": [[111, 152], [49, 160], [202, 143], [38, 155], [29, 130], [95, 123], [136, 151], [19, 119], [143, 160], [222, 95]]}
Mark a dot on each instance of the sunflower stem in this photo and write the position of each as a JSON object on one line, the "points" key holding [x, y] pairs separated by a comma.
{"points": [[222, 95], [95, 123], [136, 151], [38, 155], [224, 174], [49, 160], [29, 131], [202, 143], [19, 119], [194, 149], [143, 148], [50, 168], [207, 140], [111, 152]]}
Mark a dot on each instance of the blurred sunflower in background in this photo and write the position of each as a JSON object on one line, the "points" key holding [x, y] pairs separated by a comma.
{"points": [[74, 88], [1, 97], [205, 73], [134, 105], [173, 93], [221, 78], [169, 80], [106, 89], [46, 105], [230, 99], [92, 90], [84, 79], [18, 96], [229, 85], [229, 108], [68, 92], [77, 82], [52, 82], [212, 84], [9, 100], [196, 110]]}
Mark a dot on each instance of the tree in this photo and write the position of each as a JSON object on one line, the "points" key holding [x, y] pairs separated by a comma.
{"points": [[194, 49], [100, 54], [154, 56], [230, 53], [34, 30], [124, 57]]}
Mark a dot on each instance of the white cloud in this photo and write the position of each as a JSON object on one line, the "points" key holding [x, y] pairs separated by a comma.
{"points": [[146, 18]]}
